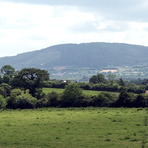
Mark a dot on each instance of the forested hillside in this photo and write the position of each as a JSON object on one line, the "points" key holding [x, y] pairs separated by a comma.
{"points": [[92, 55]]}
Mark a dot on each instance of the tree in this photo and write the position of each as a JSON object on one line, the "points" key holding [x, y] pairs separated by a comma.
{"points": [[125, 99], [3, 102], [8, 70], [6, 79], [99, 78], [102, 100], [7, 89], [72, 95], [24, 101], [111, 77], [122, 82], [30, 78], [49, 100], [140, 101]]}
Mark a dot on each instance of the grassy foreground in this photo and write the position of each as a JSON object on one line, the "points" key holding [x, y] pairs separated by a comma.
{"points": [[73, 128]]}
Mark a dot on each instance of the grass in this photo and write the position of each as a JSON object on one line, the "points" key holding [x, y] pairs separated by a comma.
{"points": [[49, 90], [86, 92], [73, 127]]}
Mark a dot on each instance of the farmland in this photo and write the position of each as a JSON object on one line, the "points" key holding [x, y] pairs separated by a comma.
{"points": [[73, 127], [86, 92]]}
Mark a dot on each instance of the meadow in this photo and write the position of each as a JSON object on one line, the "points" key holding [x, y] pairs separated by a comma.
{"points": [[86, 92], [74, 127]]}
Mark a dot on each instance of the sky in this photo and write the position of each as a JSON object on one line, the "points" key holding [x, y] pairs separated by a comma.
{"points": [[28, 25]]}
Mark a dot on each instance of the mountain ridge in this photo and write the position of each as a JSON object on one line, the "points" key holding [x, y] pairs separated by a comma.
{"points": [[93, 55]]}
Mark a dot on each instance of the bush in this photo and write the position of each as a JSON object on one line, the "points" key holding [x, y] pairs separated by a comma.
{"points": [[24, 101], [50, 100], [3, 92], [7, 88], [85, 86], [125, 99], [72, 96], [3, 102], [14, 93], [139, 101], [53, 99], [39, 93], [103, 100], [137, 89], [58, 84]]}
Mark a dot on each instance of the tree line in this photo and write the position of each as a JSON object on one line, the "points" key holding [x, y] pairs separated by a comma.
{"points": [[98, 82], [23, 89]]}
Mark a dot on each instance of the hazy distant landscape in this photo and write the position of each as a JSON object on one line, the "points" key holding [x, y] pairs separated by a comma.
{"points": [[80, 61]]}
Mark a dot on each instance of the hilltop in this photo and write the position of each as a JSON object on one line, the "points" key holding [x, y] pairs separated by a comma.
{"points": [[91, 55]]}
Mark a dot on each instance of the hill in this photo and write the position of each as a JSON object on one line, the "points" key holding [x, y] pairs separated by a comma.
{"points": [[91, 55]]}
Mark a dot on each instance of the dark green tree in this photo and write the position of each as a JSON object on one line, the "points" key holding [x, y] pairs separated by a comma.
{"points": [[30, 78], [6, 79], [7, 70], [24, 101], [125, 99], [140, 101], [101, 100], [72, 95], [8, 73], [99, 78], [111, 77], [3, 102], [122, 82], [7, 89]]}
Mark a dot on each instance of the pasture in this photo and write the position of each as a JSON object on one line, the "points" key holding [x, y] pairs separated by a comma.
{"points": [[74, 128], [86, 92]]}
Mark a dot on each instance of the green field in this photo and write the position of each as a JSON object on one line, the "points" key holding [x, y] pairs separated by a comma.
{"points": [[86, 92], [73, 128]]}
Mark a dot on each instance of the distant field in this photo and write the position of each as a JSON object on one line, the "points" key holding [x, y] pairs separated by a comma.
{"points": [[87, 92], [49, 90], [73, 128]]}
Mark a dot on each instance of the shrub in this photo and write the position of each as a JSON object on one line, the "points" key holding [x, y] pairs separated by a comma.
{"points": [[24, 101], [58, 84], [15, 92], [7, 88], [50, 100], [102, 100], [72, 96], [3, 92], [139, 101], [39, 93], [53, 99], [10, 100], [3, 102], [125, 99], [85, 86]]}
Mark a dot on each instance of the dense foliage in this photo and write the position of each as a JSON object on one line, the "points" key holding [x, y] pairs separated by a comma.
{"points": [[23, 89]]}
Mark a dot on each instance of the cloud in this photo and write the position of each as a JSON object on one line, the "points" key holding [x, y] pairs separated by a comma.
{"points": [[27, 25], [110, 9]]}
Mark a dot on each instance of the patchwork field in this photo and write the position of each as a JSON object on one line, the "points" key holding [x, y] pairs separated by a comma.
{"points": [[74, 128]]}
